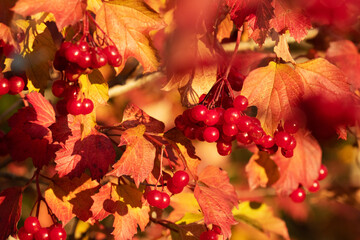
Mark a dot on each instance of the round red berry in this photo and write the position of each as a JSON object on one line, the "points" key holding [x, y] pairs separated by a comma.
{"points": [[231, 116], [291, 126], [198, 113], [165, 201], [211, 134], [314, 187], [24, 235], [42, 234], [209, 235], [113, 56], [212, 117], [230, 129], [287, 152], [88, 106], [154, 197], [58, 88], [84, 60], [267, 141], [245, 123], [243, 138], [180, 178], [298, 195], [4, 86], [72, 53], [74, 106], [323, 172], [32, 225], [83, 46], [98, 58], [179, 123], [16, 85], [173, 189], [57, 233], [189, 132], [283, 139], [240, 103], [224, 148]]}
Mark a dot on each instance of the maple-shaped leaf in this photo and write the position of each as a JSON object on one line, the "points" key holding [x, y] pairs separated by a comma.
{"points": [[275, 90], [45, 114], [289, 16], [134, 20], [68, 198], [302, 168], [344, 54], [320, 77], [216, 197], [65, 13], [94, 151], [138, 159], [261, 217], [261, 170], [125, 202], [134, 116], [10, 209]]}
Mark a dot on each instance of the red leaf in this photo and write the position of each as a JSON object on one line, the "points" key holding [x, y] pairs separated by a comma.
{"points": [[65, 12], [68, 198], [138, 158], [290, 17], [302, 168], [94, 152], [216, 197], [134, 116], [45, 114], [10, 209]]}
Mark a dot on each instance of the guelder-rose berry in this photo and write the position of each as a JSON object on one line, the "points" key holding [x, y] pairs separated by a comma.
{"points": [[231, 115], [240, 103], [165, 201], [58, 88], [16, 85], [230, 129], [211, 134], [291, 126], [180, 179], [154, 197], [4, 86], [323, 172], [224, 148], [198, 113], [113, 56], [173, 189], [314, 187], [212, 117], [42, 234], [88, 106], [282, 139], [57, 233], [209, 235], [298, 195], [24, 235], [74, 106], [32, 225]]}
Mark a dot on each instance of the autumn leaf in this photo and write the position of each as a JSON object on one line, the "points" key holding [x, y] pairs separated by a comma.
{"points": [[94, 151], [275, 90], [344, 54], [133, 20], [68, 198], [186, 209], [302, 168], [134, 116], [6, 18], [225, 28], [282, 49], [10, 208], [187, 232], [95, 87], [125, 202], [138, 159], [66, 13], [290, 17], [261, 170], [261, 217], [45, 114], [216, 197]]}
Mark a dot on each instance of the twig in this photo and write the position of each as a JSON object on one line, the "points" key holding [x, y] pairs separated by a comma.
{"points": [[164, 223]]}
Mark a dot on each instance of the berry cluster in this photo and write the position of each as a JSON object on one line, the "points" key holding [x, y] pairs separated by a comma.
{"points": [[211, 234], [225, 124], [13, 85], [299, 195], [175, 185], [33, 230]]}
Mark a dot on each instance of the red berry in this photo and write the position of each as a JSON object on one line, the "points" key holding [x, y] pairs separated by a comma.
{"points": [[199, 133], [180, 179], [4, 86], [323, 172], [287, 153], [209, 235], [72, 77], [98, 58], [58, 88], [32, 225], [291, 126], [211, 134], [84, 60], [83, 46], [244, 124], [230, 129], [72, 53], [212, 117], [57, 233], [298, 195], [283, 139], [165, 201], [240, 103], [42, 234], [72, 92], [224, 148], [292, 143], [231, 115], [16, 85], [243, 138], [24, 235], [256, 133], [74, 106], [314, 187], [63, 47], [199, 112], [173, 189], [154, 198], [88, 106], [216, 229], [268, 141], [221, 115], [189, 132], [179, 123], [113, 56]]}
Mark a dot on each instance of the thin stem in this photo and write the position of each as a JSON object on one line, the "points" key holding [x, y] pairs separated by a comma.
{"points": [[234, 54], [98, 27], [161, 165], [164, 223]]}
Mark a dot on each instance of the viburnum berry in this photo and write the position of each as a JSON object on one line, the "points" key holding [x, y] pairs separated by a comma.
{"points": [[4, 86], [98, 58], [220, 111], [87, 106], [165, 201], [16, 85], [231, 116], [298, 195], [216, 229], [57, 233], [287, 152], [314, 187], [83, 46], [323, 172], [245, 123], [180, 178], [154, 197], [173, 189], [267, 141], [212, 117], [243, 138], [74, 106], [209, 235], [240, 103], [230, 129], [292, 143], [256, 133], [58, 88], [224, 148], [24, 235], [113, 56], [179, 123], [72, 53], [42, 234], [291, 126], [211, 134], [84, 60], [199, 112], [282, 139], [72, 92], [32, 225]]}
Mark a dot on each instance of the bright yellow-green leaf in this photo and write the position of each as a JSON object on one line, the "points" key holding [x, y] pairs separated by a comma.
{"points": [[94, 87]]}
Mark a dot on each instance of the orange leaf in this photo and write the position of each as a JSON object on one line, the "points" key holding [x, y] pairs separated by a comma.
{"points": [[45, 114], [128, 24], [65, 12], [275, 90], [216, 197], [302, 168], [138, 158], [69, 198], [282, 49]]}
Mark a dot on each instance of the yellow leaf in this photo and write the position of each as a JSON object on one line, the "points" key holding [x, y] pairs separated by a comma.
{"points": [[225, 28], [186, 208], [94, 87]]}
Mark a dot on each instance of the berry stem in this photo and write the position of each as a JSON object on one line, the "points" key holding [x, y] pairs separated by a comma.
{"points": [[234, 53], [98, 27], [161, 166]]}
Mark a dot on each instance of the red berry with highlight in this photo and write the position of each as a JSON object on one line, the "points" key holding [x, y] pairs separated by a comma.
{"points": [[24, 235], [211, 134], [16, 85], [4, 86], [180, 178], [209, 235], [72, 53], [298, 195], [231, 115], [74, 106], [57, 233], [88, 106], [58, 88], [212, 117], [32, 225], [154, 198], [165, 201], [283, 139], [230, 129], [173, 189], [113, 56], [224, 148], [314, 187], [291, 126], [199, 112], [241, 103], [42, 234], [323, 172]]}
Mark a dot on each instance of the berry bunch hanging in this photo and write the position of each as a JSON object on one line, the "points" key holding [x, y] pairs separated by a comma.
{"points": [[32, 230]]}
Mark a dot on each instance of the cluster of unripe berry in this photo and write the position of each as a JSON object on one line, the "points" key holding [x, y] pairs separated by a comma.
{"points": [[175, 185], [225, 124], [299, 194], [33, 230], [211, 234]]}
